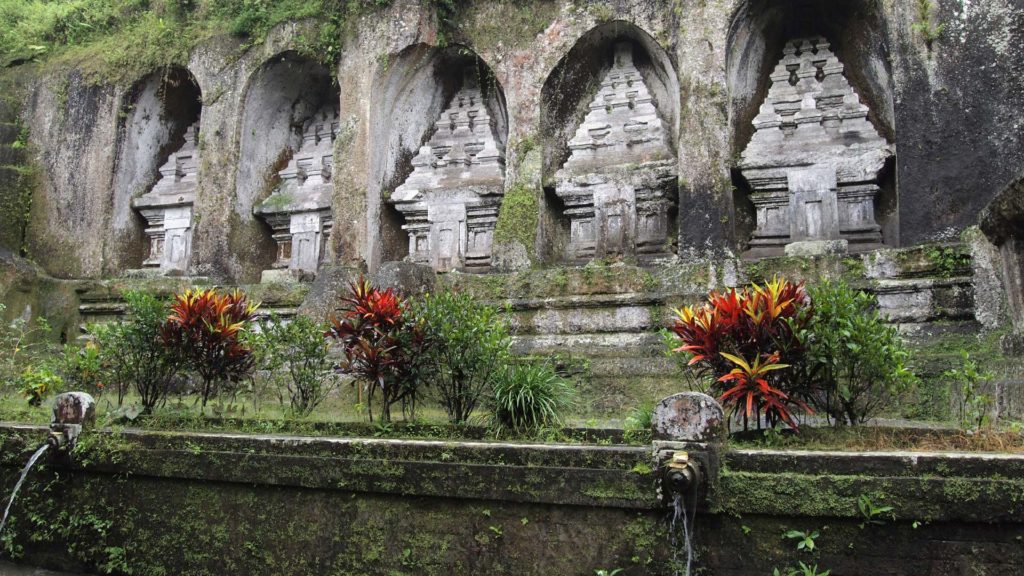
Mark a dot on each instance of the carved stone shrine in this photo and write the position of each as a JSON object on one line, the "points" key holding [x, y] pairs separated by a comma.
{"points": [[619, 185], [450, 200], [167, 208], [814, 159], [299, 209]]}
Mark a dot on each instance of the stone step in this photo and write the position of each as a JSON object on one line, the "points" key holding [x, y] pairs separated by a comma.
{"points": [[625, 318], [925, 299], [640, 344], [616, 396], [630, 366]]}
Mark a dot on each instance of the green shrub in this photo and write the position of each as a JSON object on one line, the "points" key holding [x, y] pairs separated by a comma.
{"points": [[132, 354], [470, 345], [855, 362], [973, 406], [23, 342], [528, 397], [300, 348], [82, 368], [38, 382]]}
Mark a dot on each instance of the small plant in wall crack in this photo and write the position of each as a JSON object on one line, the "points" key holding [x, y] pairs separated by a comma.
{"points": [[804, 540], [872, 514], [925, 24]]}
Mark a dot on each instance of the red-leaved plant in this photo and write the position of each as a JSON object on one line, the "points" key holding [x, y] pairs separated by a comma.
{"points": [[739, 337], [381, 343], [204, 328]]}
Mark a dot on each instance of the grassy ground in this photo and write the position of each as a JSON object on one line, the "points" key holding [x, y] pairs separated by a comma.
{"points": [[865, 438]]}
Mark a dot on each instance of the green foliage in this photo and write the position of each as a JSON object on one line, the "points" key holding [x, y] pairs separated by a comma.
{"points": [[871, 514], [83, 369], [924, 24], [301, 348], [948, 261], [122, 39], [602, 572], [23, 342], [470, 346], [38, 382], [517, 220], [855, 362], [804, 540], [131, 353], [528, 397], [640, 417], [973, 406]]}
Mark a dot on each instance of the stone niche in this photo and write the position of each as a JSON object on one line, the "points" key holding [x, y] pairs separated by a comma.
{"points": [[619, 184], [167, 208], [450, 201], [814, 159], [299, 209]]}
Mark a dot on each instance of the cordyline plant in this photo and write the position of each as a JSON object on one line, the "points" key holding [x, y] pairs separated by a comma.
{"points": [[382, 346], [748, 337], [205, 328]]}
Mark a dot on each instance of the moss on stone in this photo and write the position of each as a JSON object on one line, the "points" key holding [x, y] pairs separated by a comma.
{"points": [[518, 218]]}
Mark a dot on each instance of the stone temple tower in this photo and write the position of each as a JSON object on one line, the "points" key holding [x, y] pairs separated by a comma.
{"points": [[167, 208], [814, 159], [450, 201], [619, 184], [299, 210]]}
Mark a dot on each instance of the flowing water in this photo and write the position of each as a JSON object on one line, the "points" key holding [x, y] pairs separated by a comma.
{"points": [[682, 525], [24, 473]]}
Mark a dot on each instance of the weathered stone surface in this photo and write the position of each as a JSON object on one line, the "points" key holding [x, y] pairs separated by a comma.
{"points": [[325, 294], [814, 158], [407, 278], [689, 417], [804, 248]]}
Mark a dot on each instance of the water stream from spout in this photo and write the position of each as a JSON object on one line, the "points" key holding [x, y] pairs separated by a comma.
{"points": [[24, 473], [680, 517]]}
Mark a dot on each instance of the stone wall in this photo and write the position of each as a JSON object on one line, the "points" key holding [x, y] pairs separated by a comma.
{"points": [[947, 105], [221, 504]]}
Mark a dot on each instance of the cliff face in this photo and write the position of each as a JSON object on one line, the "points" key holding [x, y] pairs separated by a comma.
{"points": [[943, 85]]}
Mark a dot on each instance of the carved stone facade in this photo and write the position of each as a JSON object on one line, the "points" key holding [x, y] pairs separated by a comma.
{"points": [[167, 208], [450, 201], [619, 184], [814, 159], [299, 210]]}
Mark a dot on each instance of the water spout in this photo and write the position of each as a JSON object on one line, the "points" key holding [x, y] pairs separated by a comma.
{"points": [[681, 517], [24, 474]]}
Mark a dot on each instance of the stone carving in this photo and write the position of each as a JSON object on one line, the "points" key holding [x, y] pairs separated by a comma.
{"points": [[167, 208], [299, 209], [450, 201], [619, 184], [814, 159]]}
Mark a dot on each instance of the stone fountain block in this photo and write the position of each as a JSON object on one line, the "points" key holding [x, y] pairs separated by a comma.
{"points": [[76, 408], [689, 417]]}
